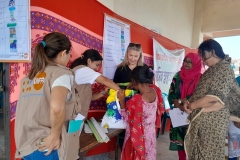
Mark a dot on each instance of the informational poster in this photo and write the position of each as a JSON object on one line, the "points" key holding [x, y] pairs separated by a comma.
{"points": [[166, 64], [15, 31], [116, 38]]}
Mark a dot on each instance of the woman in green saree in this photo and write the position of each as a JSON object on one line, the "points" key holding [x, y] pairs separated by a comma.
{"points": [[182, 87], [216, 97]]}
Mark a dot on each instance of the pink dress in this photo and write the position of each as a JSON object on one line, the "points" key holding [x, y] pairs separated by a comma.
{"points": [[149, 119]]}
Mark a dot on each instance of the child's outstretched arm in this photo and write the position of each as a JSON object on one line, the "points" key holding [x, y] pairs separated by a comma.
{"points": [[107, 82], [121, 97], [122, 111], [101, 94]]}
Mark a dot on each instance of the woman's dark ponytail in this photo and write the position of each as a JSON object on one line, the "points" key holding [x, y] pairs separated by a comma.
{"points": [[91, 54], [46, 51]]}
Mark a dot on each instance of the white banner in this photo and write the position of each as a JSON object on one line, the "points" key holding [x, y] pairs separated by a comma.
{"points": [[166, 64]]}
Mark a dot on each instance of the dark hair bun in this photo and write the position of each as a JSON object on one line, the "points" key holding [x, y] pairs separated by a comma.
{"points": [[142, 74], [149, 73]]}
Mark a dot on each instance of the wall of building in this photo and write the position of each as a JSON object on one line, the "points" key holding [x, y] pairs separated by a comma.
{"points": [[197, 36], [172, 19], [108, 3], [215, 18], [187, 22], [220, 15]]}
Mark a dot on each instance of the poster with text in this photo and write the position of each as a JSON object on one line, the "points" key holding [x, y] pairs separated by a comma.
{"points": [[166, 64], [15, 31], [116, 38]]}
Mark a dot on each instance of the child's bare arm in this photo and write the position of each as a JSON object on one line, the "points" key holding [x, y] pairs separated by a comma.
{"points": [[121, 97]]}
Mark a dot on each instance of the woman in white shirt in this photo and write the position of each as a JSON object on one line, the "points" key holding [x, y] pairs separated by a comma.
{"points": [[85, 69]]}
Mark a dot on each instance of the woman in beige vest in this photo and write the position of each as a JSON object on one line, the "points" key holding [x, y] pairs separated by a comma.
{"points": [[46, 104], [85, 70]]}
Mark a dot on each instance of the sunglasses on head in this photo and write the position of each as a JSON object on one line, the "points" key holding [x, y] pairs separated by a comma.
{"points": [[134, 45]]}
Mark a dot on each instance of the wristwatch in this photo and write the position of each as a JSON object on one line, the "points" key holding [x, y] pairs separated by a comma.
{"points": [[179, 101]]}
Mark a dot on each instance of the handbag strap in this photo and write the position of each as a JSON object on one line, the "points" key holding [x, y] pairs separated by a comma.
{"points": [[117, 101]]}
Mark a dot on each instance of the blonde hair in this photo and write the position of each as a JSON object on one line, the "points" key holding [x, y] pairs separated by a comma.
{"points": [[135, 47]]}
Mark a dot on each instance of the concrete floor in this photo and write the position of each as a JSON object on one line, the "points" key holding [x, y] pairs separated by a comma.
{"points": [[163, 152]]}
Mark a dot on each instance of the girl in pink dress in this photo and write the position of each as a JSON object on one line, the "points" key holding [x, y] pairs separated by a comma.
{"points": [[142, 114]]}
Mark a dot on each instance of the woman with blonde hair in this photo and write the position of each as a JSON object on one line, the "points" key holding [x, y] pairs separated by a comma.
{"points": [[132, 59]]}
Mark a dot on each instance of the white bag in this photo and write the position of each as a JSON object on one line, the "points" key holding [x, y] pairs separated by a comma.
{"points": [[112, 117]]}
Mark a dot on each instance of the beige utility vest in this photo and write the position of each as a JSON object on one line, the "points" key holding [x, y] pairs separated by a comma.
{"points": [[83, 94], [33, 115]]}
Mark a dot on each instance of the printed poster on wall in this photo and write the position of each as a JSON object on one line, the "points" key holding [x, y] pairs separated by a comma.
{"points": [[15, 31], [166, 64], [116, 38]]}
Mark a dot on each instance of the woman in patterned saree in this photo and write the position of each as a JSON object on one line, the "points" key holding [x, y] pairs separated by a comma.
{"points": [[213, 101], [182, 87]]}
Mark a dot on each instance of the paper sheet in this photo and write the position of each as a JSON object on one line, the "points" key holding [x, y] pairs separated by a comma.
{"points": [[79, 117], [116, 38], [15, 30], [178, 117]]}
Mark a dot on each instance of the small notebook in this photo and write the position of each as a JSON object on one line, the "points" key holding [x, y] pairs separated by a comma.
{"points": [[76, 124]]}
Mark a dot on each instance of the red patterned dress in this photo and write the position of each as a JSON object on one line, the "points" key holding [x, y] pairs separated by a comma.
{"points": [[142, 119]]}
